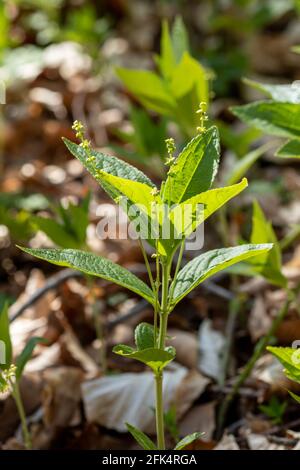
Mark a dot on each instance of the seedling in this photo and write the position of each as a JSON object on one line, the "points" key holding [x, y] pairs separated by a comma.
{"points": [[178, 87], [11, 372], [152, 210], [274, 410]]}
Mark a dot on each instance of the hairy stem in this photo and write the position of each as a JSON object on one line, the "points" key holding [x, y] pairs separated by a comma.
{"points": [[18, 400]]}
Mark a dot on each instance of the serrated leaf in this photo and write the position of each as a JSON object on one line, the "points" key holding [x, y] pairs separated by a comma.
{"points": [[156, 359], [269, 264], [282, 93], [141, 438], [144, 336], [5, 337], [187, 216], [150, 90], [188, 440], [210, 263], [195, 168], [109, 164], [139, 204], [290, 359], [26, 354], [280, 119], [291, 149], [94, 265]]}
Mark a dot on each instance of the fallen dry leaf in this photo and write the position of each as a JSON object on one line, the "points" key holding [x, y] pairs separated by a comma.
{"points": [[211, 345], [114, 400], [227, 442]]}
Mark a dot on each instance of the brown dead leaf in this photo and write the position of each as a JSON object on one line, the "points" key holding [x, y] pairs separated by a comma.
{"points": [[61, 395], [186, 346], [200, 418], [227, 442], [259, 321], [114, 400]]}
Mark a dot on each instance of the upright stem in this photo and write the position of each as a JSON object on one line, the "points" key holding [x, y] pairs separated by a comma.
{"points": [[161, 344], [164, 305], [159, 405], [17, 397]]}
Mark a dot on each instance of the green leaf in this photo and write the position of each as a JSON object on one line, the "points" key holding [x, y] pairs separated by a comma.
{"points": [[94, 265], [296, 397], [290, 359], [26, 354], [281, 93], [244, 164], [195, 168], [156, 359], [188, 440], [55, 231], [189, 74], [166, 59], [139, 194], [149, 89], [139, 204], [141, 438], [144, 336], [269, 264], [5, 337], [291, 149], [280, 119], [210, 263], [180, 40], [187, 216], [109, 164]]}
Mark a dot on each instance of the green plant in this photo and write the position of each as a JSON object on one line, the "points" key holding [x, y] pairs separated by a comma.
{"points": [[188, 185], [269, 266], [290, 359], [69, 230], [278, 116], [11, 372], [181, 83], [274, 409]]}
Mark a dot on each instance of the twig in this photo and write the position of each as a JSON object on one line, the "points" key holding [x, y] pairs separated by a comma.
{"points": [[53, 282]]}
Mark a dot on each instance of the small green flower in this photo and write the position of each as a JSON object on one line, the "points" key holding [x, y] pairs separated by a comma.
{"points": [[7, 376]]}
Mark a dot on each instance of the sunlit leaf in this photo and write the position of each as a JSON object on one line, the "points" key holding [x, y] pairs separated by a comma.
{"points": [[210, 263], [195, 168], [280, 119], [156, 359]]}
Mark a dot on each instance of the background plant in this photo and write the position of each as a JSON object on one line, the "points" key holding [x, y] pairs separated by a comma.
{"points": [[11, 371]]}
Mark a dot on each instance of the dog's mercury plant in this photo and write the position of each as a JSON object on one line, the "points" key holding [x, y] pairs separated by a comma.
{"points": [[151, 210], [11, 373]]}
